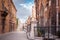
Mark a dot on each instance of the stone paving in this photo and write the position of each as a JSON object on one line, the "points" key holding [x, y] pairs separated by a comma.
{"points": [[14, 36], [17, 36]]}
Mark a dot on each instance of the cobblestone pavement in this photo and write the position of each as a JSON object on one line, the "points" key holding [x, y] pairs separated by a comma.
{"points": [[14, 36], [17, 36]]}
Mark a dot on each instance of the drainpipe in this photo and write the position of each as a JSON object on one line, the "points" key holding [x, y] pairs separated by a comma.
{"points": [[57, 15]]}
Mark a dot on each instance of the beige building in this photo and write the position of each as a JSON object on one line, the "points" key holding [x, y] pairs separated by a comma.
{"points": [[33, 23], [7, 16], [20, 25]]}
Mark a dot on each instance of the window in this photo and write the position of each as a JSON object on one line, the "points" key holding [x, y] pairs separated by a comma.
{"points": [[58, 2], [47, 0], [59, 18], [4, 14], [47, 4], [50, 3], [53, 1]]}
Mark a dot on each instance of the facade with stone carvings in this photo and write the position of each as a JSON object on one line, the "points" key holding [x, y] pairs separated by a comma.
{"points": [[48, 14], [7, 16], [33, 23], [42, 12]]}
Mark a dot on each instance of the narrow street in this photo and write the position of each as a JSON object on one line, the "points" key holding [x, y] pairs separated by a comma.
{"points": [[14, 36], [29, 19]]}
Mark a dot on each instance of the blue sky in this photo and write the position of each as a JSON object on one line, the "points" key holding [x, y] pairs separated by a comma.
{"points": [[24, 9]]}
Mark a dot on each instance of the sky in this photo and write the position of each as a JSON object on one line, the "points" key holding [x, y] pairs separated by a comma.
{"points": [[24, 9]]}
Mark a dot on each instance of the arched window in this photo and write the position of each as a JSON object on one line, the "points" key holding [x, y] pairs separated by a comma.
{"points": [[4, 14]]}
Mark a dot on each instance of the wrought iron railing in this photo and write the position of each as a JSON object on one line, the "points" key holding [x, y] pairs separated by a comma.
{"points": [[47, 31]]}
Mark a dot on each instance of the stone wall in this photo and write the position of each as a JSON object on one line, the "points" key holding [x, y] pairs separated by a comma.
{"points": [[10, 19]]}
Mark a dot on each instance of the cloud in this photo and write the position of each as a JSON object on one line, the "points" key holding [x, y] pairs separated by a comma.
{"points": [[23, 9], [18, 1], [27, 5]]}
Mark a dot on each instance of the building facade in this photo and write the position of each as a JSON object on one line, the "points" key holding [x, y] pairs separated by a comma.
{"points": [[47, 14], [7, 16], [29, 24], [33, 23]]}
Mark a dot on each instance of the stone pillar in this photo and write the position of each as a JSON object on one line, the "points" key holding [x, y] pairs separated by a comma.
{"points": [[33, 24]]}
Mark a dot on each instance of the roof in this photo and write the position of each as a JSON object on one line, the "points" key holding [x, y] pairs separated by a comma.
{"points": [[13, 5]]}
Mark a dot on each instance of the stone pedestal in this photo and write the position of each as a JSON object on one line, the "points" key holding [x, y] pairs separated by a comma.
{"points": [[33, 24]]}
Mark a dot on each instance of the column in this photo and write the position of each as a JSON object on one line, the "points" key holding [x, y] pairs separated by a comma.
{"points": [[33, 24]]}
